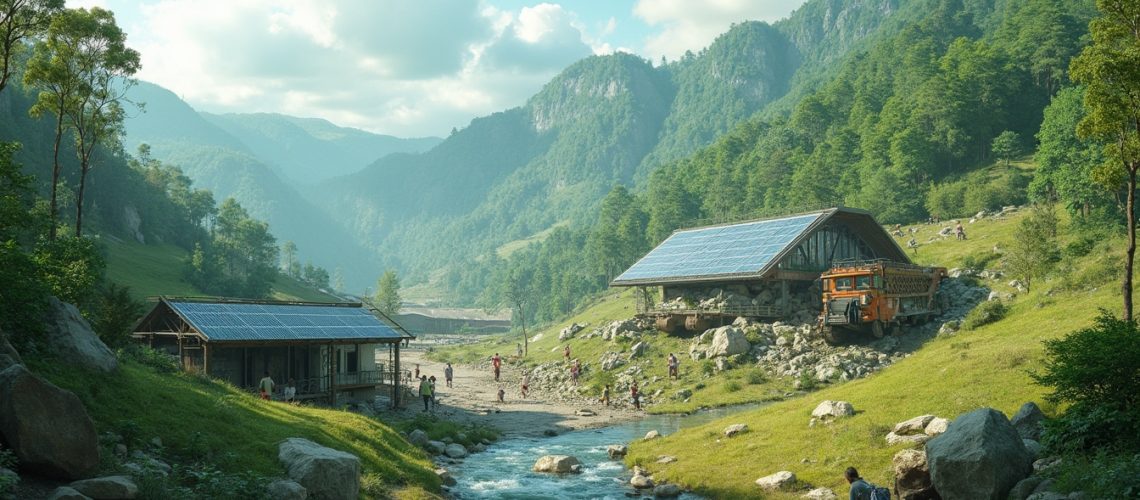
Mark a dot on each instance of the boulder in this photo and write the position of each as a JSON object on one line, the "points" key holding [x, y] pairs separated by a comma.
{"points": [[651, 435], [10, 478], [109, 488], [937, 426], [777, 481], [445, 477], [616, 451], [455, 450], [979, 456], [828, 409], [47, 427], [437, 447], [667, 490], [735, 429], [284, 489], [66, 493], [912, 439], [70, 336], [418, 438], [8, 354], [641, 481], [1024, 488], [916, 425], [821, 494], [570, 331], [1028, 421], [912, 476], [559, 464], [1048, 495], [326, 473], [728, 341], [1033, 447]]}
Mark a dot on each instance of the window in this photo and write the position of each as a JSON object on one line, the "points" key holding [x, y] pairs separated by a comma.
{"points": [[843, 283], [863, 282]]}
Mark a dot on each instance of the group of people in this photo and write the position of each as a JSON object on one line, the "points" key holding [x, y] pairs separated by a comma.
{"points": [[267, 386], [427, 385]]}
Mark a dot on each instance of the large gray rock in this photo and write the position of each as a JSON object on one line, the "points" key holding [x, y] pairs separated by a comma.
{"points": [[285, 489], [1025, 487], [1028, 421], [560, 464], [728, 341], [437, 447], [326, 473], [667, 490], [912, 476], [735, 429], [47, 427], [418, 438], [455, 450], [616, 451], [777, 481], [916, 425], [66, 493], [445, 477], [71, 338], [827, 410], [107, 488], [979, 456]]}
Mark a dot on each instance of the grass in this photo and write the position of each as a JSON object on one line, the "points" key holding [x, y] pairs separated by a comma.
{"points": [[156, 269], [202, 419], [506, 249]]}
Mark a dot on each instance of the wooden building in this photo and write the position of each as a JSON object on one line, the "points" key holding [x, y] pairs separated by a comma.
{"points": [[421, 320], [760, 268], [329, 350]]}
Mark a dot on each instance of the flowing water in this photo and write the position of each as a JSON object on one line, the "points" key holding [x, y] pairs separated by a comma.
{"points": [[503, 471]]}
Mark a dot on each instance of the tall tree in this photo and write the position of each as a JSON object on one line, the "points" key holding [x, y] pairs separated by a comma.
{"points": [[1006, 146], [87, 48], [21, 20], [518, 294], [1110, 70], [387, 297]]}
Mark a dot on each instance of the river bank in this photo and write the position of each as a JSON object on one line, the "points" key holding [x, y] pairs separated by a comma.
{"points": [[472, 399]]}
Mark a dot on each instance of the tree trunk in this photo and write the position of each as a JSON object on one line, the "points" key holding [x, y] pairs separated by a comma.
{"points": [[1130, 212], [55, 173], [79, 201], [526, 341]]}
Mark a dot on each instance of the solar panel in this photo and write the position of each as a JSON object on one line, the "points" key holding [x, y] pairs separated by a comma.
{"points": [[721, 250], [267, 322]]}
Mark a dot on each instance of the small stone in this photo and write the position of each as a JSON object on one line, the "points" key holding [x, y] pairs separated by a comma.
{"points": [[666, 459], [616, 451], [821, 494], [107, 487], [735, 429], [936, 426], [445, 477], [915, 425], [641, 482], [652, 435], [284, 489], [777, 481]]}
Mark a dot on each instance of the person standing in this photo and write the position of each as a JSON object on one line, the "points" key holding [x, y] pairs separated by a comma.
{"points": [[497, 365], [265, 386], [448, 372], [502, 393], [431, 379], [606, 395], [417, 375], [673, 365], [518, 349], [566, 353], [635, 395], [575, 370], [525, 384], [425, 391], [959, 231], [289, 393]]}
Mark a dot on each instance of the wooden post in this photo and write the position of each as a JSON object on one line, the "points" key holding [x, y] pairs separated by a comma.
{"points": [[396, 378], [332, 375], [206, 358], [784, 298]]}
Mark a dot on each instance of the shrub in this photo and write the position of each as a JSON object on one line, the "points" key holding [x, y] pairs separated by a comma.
{"points": [[757, 376], [807, 382], [708, 367], [115, 314], [71, 267], [732, 386], [1103, 475], [1085, 428], [985, 313]]}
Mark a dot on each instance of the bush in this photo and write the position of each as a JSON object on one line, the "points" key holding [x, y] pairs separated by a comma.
{"points": [[757, 376], [708, 367], [807, 382], [115, 314], [985, 313], [1097, 366], [732, 386], [1103, 475], [71, 267], [1086, 428]]}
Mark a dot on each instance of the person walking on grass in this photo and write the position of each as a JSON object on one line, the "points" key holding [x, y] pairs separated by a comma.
{"points": [[265, 387], [566, 353], [448, 372], [496, 365], [425, 391], [673, 365]]}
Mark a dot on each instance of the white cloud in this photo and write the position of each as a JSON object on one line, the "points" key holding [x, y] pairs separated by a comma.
{"points": [[542, 38], [687, 25]]}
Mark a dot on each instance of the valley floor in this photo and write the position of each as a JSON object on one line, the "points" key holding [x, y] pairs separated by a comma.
{"points": [[472, 400]]}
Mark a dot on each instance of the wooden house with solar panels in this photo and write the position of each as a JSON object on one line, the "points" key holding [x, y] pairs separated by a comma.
{"points": [[766, 268], [330, 350]]}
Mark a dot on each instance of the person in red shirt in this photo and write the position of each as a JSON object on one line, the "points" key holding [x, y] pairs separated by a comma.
{"points": [[635, 395], [497, 364]]}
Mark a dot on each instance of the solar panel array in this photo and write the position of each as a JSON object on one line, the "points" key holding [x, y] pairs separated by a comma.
{"points": [[721, 250], [226, 322]]}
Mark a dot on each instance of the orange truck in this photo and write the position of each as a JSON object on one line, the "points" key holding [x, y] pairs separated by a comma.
{"points": [[861, 297]]}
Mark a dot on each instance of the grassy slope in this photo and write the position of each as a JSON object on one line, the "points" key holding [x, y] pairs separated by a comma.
{"points": [[152, 270], [200, 418], [949, 376]]}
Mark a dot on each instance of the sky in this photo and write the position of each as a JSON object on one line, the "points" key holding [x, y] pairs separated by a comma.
{"points": [[408, 68]]}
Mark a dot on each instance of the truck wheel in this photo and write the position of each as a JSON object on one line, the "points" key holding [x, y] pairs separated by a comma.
{"points": [[832, 335], [877, 329]]}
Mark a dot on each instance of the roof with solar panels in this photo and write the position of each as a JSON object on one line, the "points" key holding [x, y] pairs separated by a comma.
{"points": [[754, 249], [253, 322]]}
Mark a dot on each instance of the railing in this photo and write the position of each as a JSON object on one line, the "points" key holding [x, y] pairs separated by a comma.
{"points": [[752, 311]]}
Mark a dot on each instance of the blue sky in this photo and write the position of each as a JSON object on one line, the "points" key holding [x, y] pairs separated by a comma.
{"points": [[401, 67]]}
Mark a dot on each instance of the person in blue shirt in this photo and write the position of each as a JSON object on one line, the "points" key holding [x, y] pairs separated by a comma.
{"points": [[860, 490]]}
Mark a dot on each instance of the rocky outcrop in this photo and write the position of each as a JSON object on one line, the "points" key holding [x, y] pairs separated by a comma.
{"points": [[455, 450], [72, 339], [570, 331], [110, 487], [616, 451], [979, 456], [326, 473], [284, 489], [735, 429], [638, 349], [830, 410], [559, 464], [728, 341], [912, 476], [47, 427], [1029, 421], [778, 481]]}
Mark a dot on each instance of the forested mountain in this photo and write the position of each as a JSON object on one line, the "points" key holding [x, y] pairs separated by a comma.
{"points": [[222, 163], [309, 150]]}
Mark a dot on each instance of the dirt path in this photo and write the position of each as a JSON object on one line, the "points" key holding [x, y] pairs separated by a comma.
{"points": [[472, 399]]}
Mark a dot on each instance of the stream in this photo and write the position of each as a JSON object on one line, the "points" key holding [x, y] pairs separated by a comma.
{"points": [[503, 471]]}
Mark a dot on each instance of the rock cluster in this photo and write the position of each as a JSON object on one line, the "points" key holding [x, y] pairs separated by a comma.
{"points": [[744, 296], [326, 474], [917, 430], [570, 331]]}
